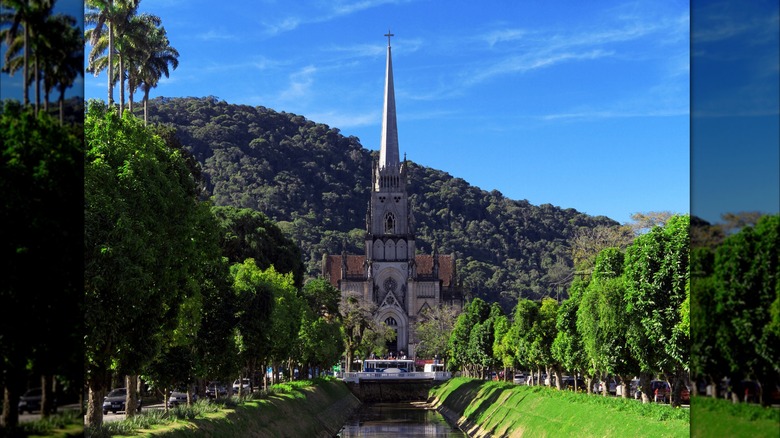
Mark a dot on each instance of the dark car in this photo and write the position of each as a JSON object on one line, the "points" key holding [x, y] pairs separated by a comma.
{"points": [[30, 401], [569, 383], [179, 398], [115, 401], [216, 389], [659, 391]]}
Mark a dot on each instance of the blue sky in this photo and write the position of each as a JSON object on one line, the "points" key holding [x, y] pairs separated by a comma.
{"points": [[582, 105], [735, 121]]}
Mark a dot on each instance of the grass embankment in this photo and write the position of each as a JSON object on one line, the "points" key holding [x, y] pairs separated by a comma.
{"points": [[717, 417], [501, 409], [297, 409]]}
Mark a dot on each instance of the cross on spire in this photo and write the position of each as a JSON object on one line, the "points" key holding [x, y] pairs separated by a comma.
{"points": [[388, 35]]}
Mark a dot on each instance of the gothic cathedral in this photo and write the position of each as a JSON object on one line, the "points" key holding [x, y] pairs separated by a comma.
{"points": [[400, 282]]}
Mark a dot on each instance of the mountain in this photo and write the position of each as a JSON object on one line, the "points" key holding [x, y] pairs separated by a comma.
{"points": [[314, 182]]}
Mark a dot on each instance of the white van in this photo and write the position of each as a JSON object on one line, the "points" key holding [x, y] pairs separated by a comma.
{"points": [[431, 367]]}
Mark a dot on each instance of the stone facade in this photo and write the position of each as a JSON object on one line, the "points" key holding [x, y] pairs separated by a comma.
{"points": [[400, 282]]}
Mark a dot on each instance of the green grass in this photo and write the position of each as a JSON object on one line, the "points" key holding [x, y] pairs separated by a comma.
{"points": [[63, 424], [506, 409], [718, 417], [259, 413]]}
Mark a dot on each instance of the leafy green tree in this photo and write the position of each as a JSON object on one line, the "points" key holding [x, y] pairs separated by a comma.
{"points": [[475, 312], [544, 333], [433, 331], [602, 320], [251, 234], [321, 297], [255, 296], [567, 348], [657, 274], [522, 334], [142, 269], [357, 319], [41, 176], [286, 319], [746, 272]]}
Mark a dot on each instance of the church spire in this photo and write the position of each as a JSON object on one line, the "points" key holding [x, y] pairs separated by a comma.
{"points": [[388, 152]]}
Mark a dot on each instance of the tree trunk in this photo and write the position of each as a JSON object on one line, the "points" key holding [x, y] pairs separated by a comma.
{"points": [[94, 415], [110, 64], [131, 383], [588, 384], [47, 395], [644, 383], [625, 386], [558, 378], [146, 102], [10, 418]]}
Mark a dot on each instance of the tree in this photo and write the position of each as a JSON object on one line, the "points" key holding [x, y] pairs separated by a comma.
{"points": [[152, 62], [30, 16], [567, 348], [41, 176], [433, 331], [110, 17], [602, 320], [63, 54], [254, 289], [141, 268], [522, 334], [746, 272], [475, 312], [657, 274], [247, 233], [357, 319]]}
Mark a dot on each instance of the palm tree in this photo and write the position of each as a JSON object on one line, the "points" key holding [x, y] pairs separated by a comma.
{"points": [[110, 18], [29, 16], [63, 57], [139, 40], [158, 56]]}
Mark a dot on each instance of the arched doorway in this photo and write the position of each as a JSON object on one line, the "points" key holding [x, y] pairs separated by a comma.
{"points": [[392, 346]]}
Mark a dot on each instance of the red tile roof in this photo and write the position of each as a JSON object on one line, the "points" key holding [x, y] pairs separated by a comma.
{"points": [[332, 267]]}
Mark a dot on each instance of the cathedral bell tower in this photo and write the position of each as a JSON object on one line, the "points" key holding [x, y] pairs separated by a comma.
{"points": [[390, 249], [400, 283]]}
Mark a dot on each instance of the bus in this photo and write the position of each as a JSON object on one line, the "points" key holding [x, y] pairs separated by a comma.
{"points": [[388, 366]]}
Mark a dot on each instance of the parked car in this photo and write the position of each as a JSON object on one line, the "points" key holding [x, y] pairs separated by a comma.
{"points": [[659, 391], [179, 397], [216, 389], [243, 383], [748, 391], [519, 379], [30, 401], [569, 382], [115, 401], [685, 395]]}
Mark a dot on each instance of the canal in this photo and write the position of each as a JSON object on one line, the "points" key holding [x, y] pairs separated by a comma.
{"points": [[402, 419]]}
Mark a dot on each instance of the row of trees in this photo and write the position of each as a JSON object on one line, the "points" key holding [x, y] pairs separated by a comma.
{"points": [[735, 304], [628, 316], [48, 48], [132, 48], [179, 292], [41, 178]]}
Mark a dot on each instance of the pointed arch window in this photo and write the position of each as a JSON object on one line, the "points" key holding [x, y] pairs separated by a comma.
{"points": [[391, 321], [389, 223]]}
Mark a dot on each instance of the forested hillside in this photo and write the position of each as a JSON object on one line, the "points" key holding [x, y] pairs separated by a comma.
{"points": [[315, 183]]}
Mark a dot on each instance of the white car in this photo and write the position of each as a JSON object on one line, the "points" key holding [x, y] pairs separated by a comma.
{"points": [[180, 398], [243, 383]]}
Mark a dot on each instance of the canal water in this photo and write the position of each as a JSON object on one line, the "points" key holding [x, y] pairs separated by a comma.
{"points": [[398, 420]]}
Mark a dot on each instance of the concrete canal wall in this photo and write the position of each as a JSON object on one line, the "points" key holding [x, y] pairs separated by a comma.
{"points": [[389, 391]]}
